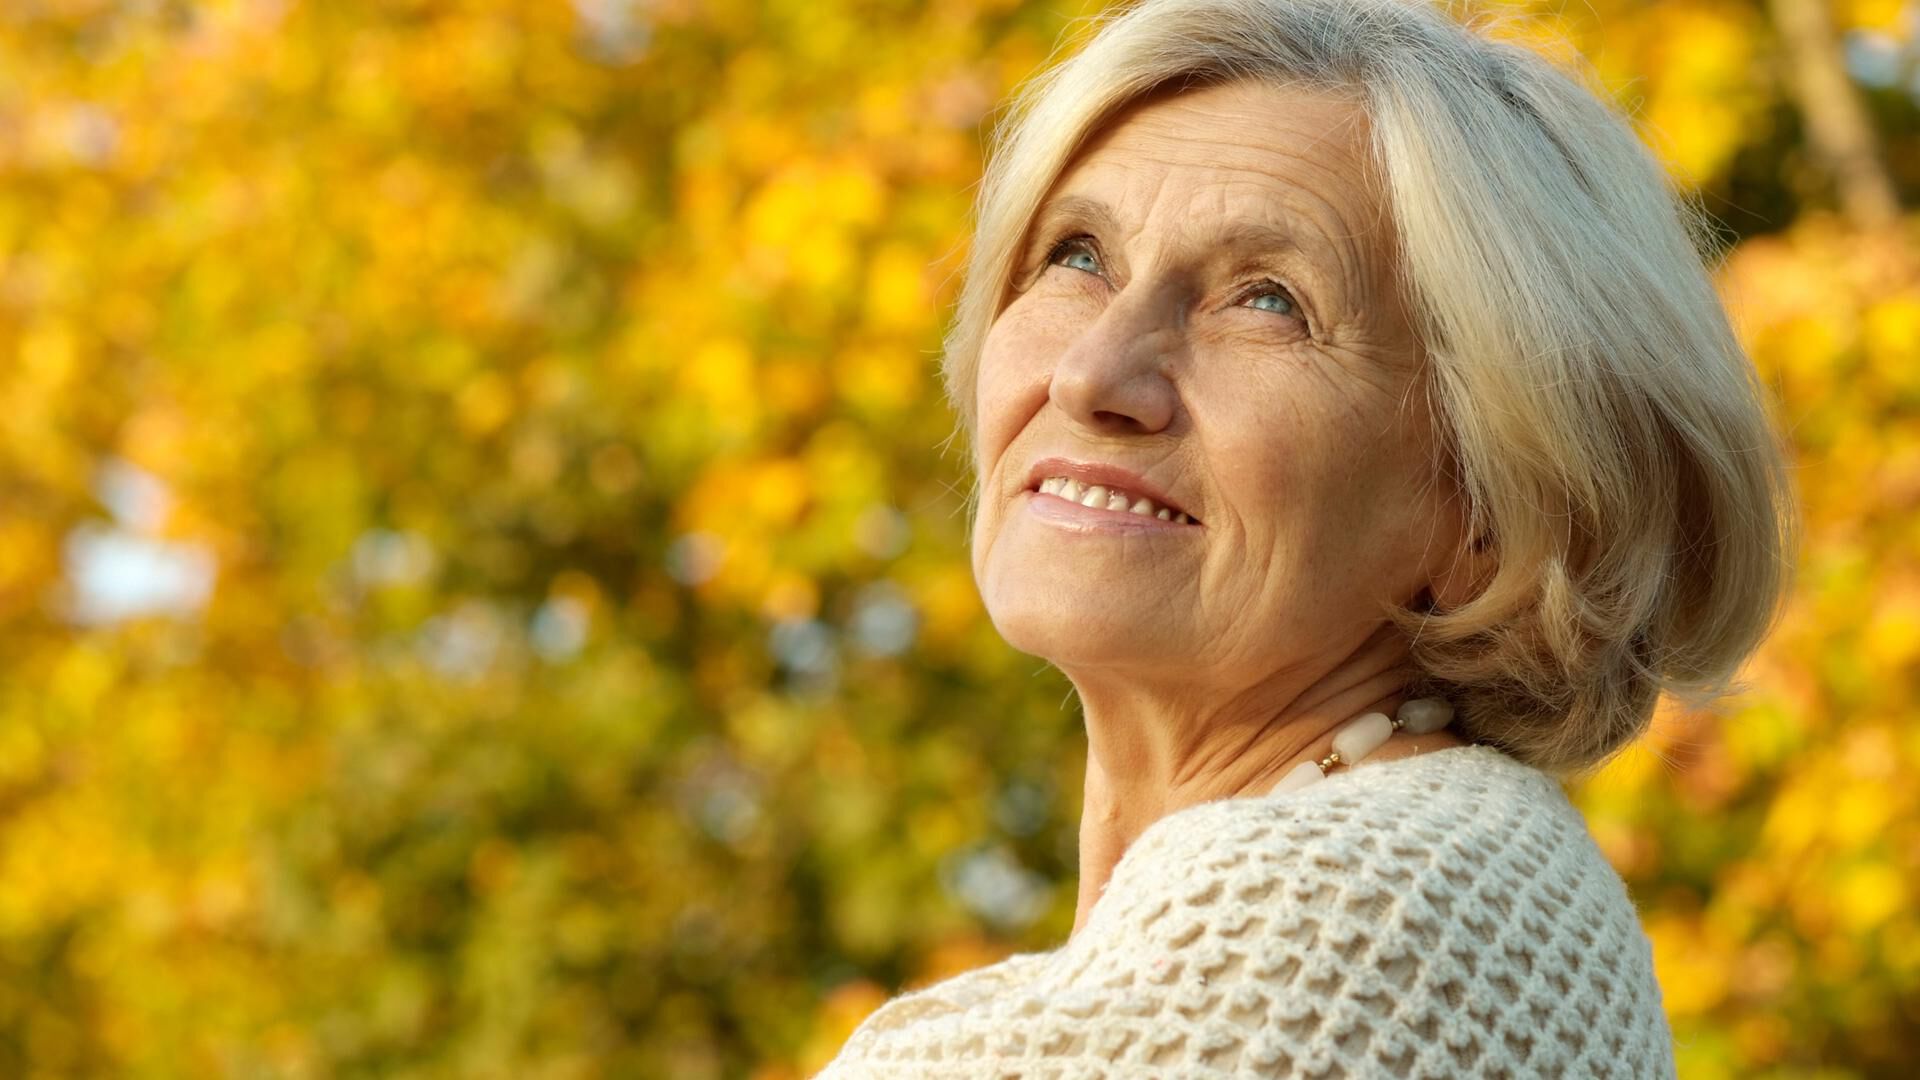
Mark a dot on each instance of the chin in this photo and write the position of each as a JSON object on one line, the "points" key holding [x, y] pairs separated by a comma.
{"points": [[1055, 624], [1037, 595]]}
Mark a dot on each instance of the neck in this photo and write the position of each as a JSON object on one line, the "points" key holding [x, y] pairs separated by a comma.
{"points": [[1154, 751]]}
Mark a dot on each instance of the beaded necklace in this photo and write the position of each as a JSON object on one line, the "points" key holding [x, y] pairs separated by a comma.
{"points": [[1363, 735]]}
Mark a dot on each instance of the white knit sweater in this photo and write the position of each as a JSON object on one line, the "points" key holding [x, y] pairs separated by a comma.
{"points": [[1440, 915]]}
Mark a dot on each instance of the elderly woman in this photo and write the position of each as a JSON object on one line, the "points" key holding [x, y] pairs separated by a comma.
{"points": [[1357, 428]]}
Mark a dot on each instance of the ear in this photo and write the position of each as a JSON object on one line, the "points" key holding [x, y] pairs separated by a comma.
{"points": [[1465, 553], [1459, 578]]}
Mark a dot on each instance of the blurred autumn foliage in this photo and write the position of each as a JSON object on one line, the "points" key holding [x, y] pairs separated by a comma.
{"points": [[482, 592]]}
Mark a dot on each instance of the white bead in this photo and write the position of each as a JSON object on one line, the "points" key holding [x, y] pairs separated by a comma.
{"points": [[1362, 736], [1307, 772], [1422, 716]]}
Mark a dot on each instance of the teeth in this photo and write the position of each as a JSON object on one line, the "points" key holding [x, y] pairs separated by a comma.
{"points": [[1102, 497]]}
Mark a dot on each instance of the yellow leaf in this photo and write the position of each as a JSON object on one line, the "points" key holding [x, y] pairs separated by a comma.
{"points": [[1891, 332], [1693, 976], [896, 289], [1886, 16], [791, 596], [484, 404], [1870, 894], [719, 377], [48, 353]]}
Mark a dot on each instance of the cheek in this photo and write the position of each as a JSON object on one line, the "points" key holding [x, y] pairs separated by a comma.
{"points": [[1301, 457], [1266, 438], [1011, 383], [1004, 389]]}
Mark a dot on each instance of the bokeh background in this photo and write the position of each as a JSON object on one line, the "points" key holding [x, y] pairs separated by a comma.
{"points": [[482, 573]]}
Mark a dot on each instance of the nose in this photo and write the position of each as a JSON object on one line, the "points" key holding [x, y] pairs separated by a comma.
{"points": [[1113, 380]]}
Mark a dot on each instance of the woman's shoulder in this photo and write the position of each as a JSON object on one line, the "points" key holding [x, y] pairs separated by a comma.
{"points": [[1433, 916], [1433, 808], [1462, 841], [1458, 893]]}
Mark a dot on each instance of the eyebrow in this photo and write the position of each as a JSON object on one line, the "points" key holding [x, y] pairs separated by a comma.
{"points": [[1066, 208], [1250, 237]]}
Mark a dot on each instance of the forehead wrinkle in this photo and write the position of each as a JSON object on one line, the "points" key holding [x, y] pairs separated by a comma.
{"points": [[1308, 211], [1258, 232], [1295, 227], [1333, 148], [1282, 169]]}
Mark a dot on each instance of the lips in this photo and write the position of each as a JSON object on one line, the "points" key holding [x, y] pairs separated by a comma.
{"points": [[1106, 475]]}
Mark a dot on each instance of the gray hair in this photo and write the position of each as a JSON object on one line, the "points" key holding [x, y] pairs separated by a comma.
{"points": [[1597, 413]]}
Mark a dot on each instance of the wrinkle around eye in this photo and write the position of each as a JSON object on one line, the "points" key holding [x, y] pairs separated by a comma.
{"points": [[1034, 259], [1037, 275], [1029, 271]]}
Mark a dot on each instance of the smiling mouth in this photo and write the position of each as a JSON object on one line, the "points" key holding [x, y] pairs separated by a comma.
{"points": [[1104, 497]]}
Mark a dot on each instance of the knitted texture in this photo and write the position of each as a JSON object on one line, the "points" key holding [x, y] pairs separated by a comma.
{"points": [[1440, 915]]}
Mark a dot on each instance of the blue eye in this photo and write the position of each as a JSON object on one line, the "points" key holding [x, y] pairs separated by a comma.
{"points": [[1072, 244], [1273, 289]]}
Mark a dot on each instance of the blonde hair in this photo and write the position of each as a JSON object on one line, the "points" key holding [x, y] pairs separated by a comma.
{"points": [[1600, 420]]}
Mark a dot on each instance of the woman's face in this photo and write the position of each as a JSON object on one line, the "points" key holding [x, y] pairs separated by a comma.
{"points": [[1205, 315]]}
